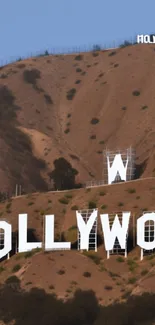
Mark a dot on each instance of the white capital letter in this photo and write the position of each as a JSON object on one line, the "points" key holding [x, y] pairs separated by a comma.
{"points": [[85, 228], [117, 230], [7, 238], [117, 166], [146, 39], [49, 236], [140, 231], [22, 228], [140, 39]]}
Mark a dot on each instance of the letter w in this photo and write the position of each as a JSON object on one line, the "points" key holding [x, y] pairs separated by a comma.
{"points": [[117, 166], [116, 231]]}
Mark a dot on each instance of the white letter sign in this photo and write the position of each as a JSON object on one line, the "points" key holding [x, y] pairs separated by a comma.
{"points": [[117, 230], [22, 226], [117, 166]]}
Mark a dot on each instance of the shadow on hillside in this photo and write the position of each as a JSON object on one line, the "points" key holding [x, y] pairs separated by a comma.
{"points": [[38, 307], [22, 166], [139, 169]]}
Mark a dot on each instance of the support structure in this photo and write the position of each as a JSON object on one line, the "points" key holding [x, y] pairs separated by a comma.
{"points": [[93, 233], [149, 235], [18, 190], [118, 165], [2, 240], [94, 184]]}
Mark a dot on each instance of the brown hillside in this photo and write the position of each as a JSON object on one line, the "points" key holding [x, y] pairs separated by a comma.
{"points": [[57, 126], [112, 279], [43, 118]]}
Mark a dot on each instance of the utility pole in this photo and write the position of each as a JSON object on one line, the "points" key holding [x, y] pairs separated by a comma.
{"points": [[133, 225], [43, 232], [16, 192]]}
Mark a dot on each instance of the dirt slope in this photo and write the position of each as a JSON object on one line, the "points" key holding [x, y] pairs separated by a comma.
{"points": [[39, 124], [63, 272], [104, 83]]}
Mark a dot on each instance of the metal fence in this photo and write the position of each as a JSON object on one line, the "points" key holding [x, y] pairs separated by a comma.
{"points": [[69, 50]]}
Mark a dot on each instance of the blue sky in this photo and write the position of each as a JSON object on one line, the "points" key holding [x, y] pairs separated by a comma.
{"points": [[27, 27]]}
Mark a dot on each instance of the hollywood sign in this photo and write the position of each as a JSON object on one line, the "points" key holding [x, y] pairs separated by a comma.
{"points": [[118, 230], [146, 39]]}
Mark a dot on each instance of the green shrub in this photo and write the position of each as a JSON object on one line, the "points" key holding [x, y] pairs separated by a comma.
{"points": [[28, 283], [95, 54], [8, 206], [74, 157], [136, 93], [3, 76], [77, 82], [92, 137], [108, 287], [91, 205], [87, 274], [132, 265], [74, 283], [61, 272], [78, 70], [2, 269], [120, 259], [101, 75], [64, 200], [32, 252], [120, 204], [144, 272], [102, 193], [74, 207], [131, 190], [16, 268], [31, 76], [69, 196], [67, 130], [12, 279], [48, 99], [104, 206], [116, 65], [79, 57], [21, 65], [71, 93], [112, 53], [30, 203], [93, 256], [125, 44], [132, 280], [94, 120]]}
